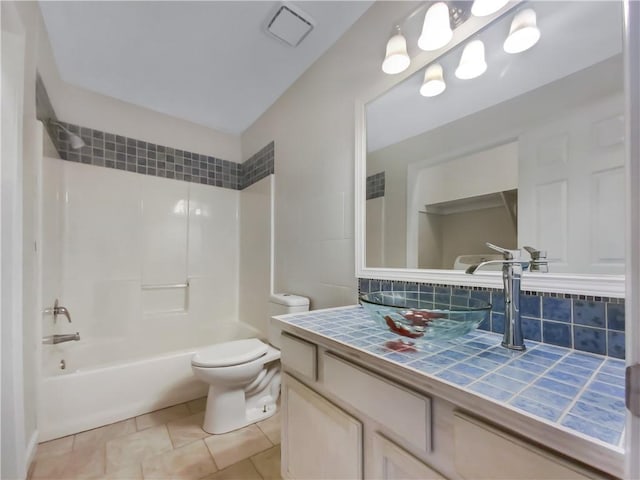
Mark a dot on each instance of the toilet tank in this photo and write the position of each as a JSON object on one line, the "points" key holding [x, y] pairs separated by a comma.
{"points": [[281, 304]]}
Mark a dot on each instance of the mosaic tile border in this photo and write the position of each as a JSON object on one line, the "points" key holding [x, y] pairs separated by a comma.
{"points": [[258, 166], [590, 324], [577, 391], [375, 185], [124, 153]]}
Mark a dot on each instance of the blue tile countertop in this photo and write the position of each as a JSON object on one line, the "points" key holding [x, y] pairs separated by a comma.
{"points": [[579, 392]]}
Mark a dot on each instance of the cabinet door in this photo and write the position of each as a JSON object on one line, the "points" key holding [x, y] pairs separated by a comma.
{"points": [[319, 440], [393, 463], [484, 452]]}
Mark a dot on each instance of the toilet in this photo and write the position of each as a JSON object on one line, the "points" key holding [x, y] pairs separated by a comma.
{"points": [[244, 375]]}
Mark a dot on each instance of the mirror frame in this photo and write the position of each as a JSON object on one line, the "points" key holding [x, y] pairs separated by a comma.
{"points": [[578, 284]]}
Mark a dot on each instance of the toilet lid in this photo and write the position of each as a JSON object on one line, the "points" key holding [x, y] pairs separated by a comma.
{"points": [[230, 353]]}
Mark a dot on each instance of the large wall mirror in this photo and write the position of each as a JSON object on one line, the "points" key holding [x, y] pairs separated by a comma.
{"points": [[532, 152]]}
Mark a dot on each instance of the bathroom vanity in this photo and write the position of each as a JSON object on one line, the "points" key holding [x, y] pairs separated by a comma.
{"points": [[356, 403]]}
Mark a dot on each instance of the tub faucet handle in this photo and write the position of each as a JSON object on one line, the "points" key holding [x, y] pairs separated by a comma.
{"points": [[58, 310]]}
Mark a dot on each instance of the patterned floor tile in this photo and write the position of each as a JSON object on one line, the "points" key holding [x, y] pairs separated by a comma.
{"points": [[238, 445]]}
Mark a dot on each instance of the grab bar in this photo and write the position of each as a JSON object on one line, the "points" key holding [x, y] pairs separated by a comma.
{"points": [[165, 286]]}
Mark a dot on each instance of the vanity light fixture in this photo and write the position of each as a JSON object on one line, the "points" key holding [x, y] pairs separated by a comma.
{"points": [[397, 59], [483, 8], [524, 32], [433, 81], [436, 29], [472, 63]]}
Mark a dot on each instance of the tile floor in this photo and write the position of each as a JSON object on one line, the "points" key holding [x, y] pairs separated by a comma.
{"points": [[165, 444]]}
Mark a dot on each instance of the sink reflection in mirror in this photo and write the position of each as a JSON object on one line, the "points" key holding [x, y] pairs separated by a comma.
{"points": [[531, 152]]}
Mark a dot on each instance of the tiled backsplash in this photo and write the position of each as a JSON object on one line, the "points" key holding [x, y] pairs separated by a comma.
{"points": [[375, 185], [115, 151], [590, 324]]}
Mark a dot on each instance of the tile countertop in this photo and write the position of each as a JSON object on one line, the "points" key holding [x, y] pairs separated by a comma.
{"points": [[577, 392]]}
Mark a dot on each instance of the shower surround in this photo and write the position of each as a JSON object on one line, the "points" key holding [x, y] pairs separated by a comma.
{"points": [[149, 269]]}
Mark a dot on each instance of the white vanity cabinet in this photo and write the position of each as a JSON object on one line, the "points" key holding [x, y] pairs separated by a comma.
{"points": [[319, 440], [343, 419], [391, 462], [485, 452]]}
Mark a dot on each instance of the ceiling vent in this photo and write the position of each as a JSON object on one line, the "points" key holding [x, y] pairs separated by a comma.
{"points": [[290, 25]]}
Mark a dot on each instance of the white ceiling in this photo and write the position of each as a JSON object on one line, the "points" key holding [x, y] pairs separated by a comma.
{"points": [[575, 35], [208, 62]]}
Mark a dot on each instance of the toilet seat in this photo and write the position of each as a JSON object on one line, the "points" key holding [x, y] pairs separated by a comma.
{"points": [[229, 354]]}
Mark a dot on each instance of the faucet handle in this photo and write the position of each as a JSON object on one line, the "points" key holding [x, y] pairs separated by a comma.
{"points": [[538, 260], [58, 310], [506, 253], [536, 266], [536, 254]]}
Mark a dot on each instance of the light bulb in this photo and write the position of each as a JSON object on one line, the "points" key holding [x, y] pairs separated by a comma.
{"points": [[524, 32], [397, 59], [482, 8], [433, 81], [436, 29], [472, 63]]}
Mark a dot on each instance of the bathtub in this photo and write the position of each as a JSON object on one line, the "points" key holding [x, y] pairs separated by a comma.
{"points": [[109, 380]]}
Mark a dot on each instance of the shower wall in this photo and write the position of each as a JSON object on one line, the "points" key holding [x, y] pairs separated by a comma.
{"points": [[118, 248]]}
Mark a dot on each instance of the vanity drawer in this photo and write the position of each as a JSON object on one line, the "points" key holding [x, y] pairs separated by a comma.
{"points": [[483, 451], [402, 412], [299, 356]]}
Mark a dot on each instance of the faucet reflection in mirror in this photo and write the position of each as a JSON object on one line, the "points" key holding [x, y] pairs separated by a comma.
{"points": [[512, 268]]}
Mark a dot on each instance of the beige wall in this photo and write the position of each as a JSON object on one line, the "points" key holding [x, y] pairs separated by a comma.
{"points": [[313, 128], [441, 238], [255, 254], [375, 232], [467, 233]]}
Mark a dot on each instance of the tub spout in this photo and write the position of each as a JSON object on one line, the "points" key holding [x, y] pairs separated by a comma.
{"points": [[54, 339]]}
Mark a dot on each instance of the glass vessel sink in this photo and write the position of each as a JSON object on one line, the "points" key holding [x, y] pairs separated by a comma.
{"points": [[412, 316]]}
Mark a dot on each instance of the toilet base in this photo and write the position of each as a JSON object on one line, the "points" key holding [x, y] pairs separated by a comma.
{"points": [[229, 410]]}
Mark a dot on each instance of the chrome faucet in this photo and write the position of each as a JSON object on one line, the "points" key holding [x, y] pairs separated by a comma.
{"points": [[58, 310], [512, 268], [55, 339]]}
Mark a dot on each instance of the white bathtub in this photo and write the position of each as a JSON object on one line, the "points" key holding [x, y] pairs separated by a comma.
{"points": [[110, 380]]}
